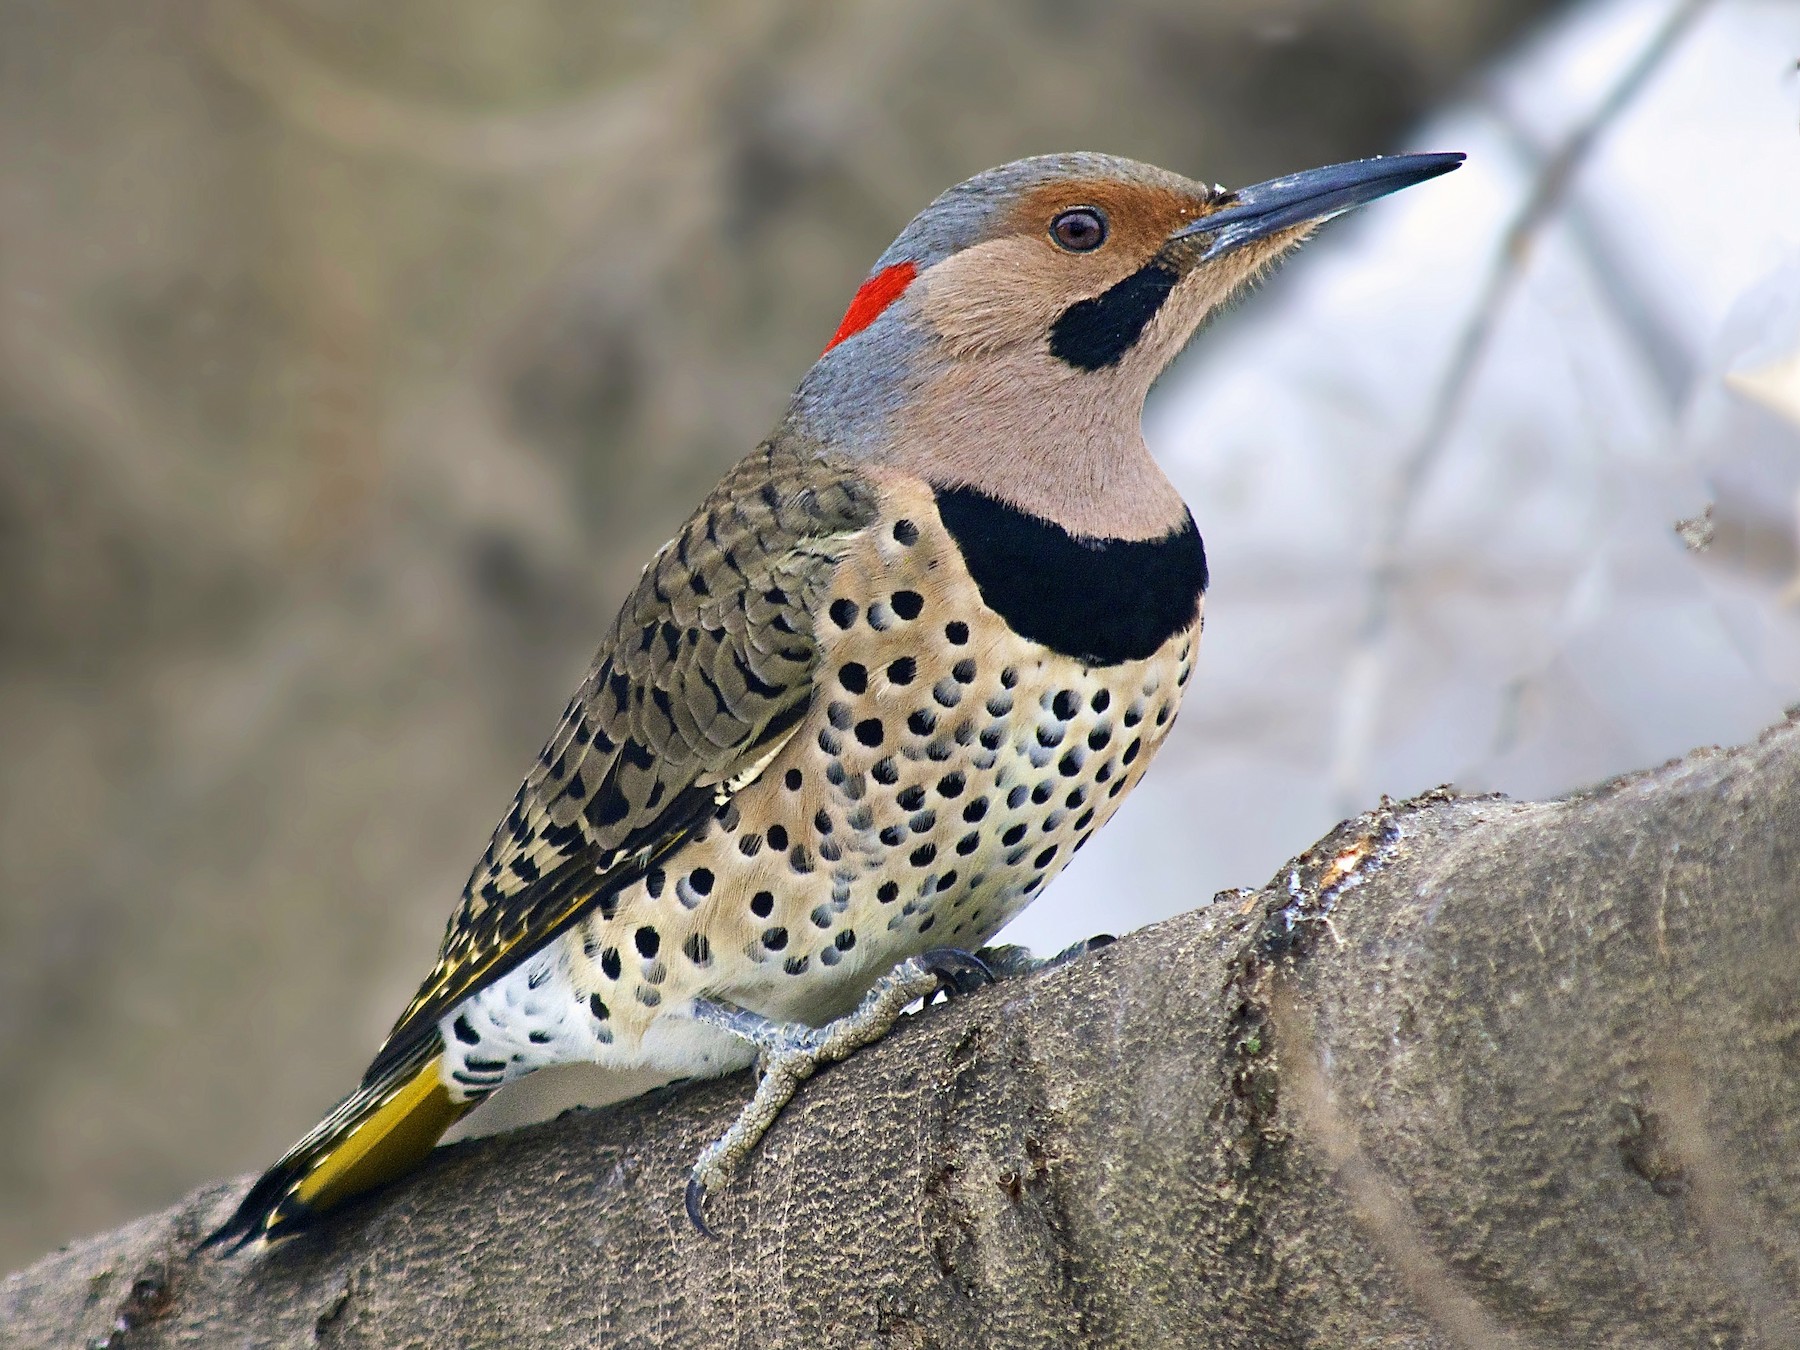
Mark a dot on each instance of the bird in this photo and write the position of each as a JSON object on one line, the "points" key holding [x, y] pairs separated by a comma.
{"points": [[873, 695]]}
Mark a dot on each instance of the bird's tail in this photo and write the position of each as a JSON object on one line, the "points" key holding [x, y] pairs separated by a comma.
{"points": [[381, 1130]]}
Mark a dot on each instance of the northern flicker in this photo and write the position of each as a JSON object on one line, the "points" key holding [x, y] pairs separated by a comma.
{"points": [[877, 691]]}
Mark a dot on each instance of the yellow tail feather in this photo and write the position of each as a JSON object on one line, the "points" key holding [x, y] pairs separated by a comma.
{"points": [[390, 1141], [378, 1133]]}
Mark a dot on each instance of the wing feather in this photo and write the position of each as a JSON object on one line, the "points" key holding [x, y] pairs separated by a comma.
{"points": [[706, 673]]}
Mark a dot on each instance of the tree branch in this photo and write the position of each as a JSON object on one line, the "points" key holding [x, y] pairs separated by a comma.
{"points": [[1471, 1072]]}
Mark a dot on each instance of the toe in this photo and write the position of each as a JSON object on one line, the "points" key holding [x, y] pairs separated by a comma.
{"points": [[957, 971]]}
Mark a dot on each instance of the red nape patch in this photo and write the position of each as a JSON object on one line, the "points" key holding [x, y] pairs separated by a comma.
{"points": [[874, 295]]}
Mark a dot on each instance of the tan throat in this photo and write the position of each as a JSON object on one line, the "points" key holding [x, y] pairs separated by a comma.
{"points": [[1044, 438]]}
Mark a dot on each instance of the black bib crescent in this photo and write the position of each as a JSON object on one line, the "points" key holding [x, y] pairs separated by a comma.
{"points": [[1102, 601]]}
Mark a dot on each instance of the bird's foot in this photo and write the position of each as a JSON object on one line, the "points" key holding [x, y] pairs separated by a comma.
{"points": [[1006, 962], [788, 1053]]}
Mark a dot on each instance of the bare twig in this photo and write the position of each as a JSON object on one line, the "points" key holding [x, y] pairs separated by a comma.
{"points": [[1661, 349], [310, 95], [1360, 703]]}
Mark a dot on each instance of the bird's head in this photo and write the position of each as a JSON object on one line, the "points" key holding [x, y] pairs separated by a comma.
{"points": [[1037, 302]]}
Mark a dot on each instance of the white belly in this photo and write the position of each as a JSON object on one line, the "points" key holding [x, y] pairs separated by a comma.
{"points": [[533, 1017]]}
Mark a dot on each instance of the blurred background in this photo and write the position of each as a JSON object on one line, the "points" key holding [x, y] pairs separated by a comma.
{"points": [[353, 358]]}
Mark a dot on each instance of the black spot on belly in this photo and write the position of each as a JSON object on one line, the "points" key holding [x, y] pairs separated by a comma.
{"points": [[1102, 601]]}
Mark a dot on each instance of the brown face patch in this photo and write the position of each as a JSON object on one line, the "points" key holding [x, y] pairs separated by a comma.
{"points": [[1140, 216], [1010, 289]]}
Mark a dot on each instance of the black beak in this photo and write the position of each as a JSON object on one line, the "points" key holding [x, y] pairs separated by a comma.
{"points": [[1318, 194]]}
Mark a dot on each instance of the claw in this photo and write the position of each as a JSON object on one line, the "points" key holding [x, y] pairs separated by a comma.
{"points": [[957, 971], [1008, 962], [696, 1207]]}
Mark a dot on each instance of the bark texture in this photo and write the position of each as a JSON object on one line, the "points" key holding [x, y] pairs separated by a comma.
{"points": [[1470, 1072]]}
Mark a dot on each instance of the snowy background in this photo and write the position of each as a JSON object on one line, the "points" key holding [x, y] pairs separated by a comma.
{"points": [[1500, 600]]}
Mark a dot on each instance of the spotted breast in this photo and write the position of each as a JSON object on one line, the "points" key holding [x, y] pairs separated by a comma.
{"points": [[988, 690]]}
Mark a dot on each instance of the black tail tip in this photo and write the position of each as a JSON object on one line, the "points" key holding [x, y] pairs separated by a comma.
{"points": [[268, 1212], [228, 1239]]}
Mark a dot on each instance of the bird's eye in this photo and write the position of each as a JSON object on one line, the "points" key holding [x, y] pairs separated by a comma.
{"points": [[1080, 229]]}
